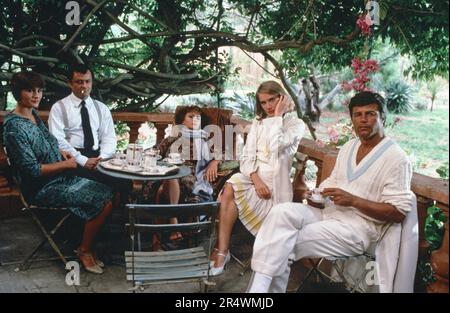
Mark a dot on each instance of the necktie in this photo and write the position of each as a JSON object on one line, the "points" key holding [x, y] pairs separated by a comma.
{"points": [[87, 131]]}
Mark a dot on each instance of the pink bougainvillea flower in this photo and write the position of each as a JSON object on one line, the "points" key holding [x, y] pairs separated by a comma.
{"points": [[372, 65], [346, 86], [356, 65], [363, 25], [333, 134], [361, 70]]}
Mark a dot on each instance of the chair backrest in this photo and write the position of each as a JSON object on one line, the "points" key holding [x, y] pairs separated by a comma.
{"points": [[329, 161], [15, 179], [157, 211], [17, 187], [177, 264], [396, 254], [215, 116]]}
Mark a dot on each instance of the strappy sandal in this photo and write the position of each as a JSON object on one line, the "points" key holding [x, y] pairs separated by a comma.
{"points": [[216, 271], [212, 261], [95, 268], [97, 260]]}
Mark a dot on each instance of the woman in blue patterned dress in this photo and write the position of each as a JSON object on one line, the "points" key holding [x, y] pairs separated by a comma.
{"points": [[44, 171]]}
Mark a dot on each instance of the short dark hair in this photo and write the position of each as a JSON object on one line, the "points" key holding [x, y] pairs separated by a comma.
{"points": [[181, 112], [79, 68], [25, 80], [366, 98]]}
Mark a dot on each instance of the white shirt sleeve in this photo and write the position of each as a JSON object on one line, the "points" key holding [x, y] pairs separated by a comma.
{"points": [[107, 134], [56, 127], [284, 137], [397, 187]]}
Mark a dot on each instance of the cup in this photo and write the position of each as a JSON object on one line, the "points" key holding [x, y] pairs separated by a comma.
{"points": [[174, 157], [120, 158], [150, 158], [155, 151], [316, 196]]}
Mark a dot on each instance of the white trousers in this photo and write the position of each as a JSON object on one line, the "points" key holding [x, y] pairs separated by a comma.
{"points": [[296, 231]]}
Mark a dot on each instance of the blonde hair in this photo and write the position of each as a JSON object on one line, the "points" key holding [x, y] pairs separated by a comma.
{"points": [[270, 87]]}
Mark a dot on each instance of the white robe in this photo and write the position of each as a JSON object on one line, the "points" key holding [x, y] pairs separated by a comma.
{"points": [[269, 150], [283, 137], [384, 175]]}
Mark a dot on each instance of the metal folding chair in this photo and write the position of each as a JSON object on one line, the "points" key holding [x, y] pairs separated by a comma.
{"points": [[49, 232], [174, 266], [335, 272]]}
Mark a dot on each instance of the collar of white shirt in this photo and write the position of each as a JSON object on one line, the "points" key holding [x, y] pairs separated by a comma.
{"points": [[77, 101]]}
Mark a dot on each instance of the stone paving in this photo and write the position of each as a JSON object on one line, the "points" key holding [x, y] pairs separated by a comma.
{"points": [[19, 235]]}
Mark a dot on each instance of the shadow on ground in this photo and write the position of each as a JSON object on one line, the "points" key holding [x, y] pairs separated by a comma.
{"points": [[19, 235]]}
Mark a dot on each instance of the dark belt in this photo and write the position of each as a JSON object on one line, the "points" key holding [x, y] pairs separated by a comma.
{"points": [[89, 152]]}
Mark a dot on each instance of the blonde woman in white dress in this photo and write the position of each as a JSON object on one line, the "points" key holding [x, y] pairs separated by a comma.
{"points": [[265, 166]]}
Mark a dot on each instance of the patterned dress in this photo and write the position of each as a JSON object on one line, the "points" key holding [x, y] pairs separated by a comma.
{"points": [[29, 145]]}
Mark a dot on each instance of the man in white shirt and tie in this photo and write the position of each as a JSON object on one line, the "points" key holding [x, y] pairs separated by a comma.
{"points": [[84, 127]]}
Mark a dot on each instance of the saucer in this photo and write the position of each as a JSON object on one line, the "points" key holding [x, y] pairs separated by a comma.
{"points": [[152, 170], [174, 162], [133, 168], [116, 162], [316, 200], [320, 204]]}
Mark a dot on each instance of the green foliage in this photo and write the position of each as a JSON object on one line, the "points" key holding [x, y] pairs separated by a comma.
{"points": [[418, 29], [434, 235], [426, 271], [244, 106], [443, 171], [398, 97], [424, 136], [122, 130], [420, 103], [434, 227]]}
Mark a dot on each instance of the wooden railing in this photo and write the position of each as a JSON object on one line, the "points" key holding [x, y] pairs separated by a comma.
{"points": [[427, 189]]}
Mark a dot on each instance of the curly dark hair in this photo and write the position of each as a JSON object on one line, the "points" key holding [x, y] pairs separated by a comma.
{"points": [[181, 112]]}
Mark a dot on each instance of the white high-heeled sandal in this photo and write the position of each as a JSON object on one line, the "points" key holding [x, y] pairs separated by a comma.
{"points": [[216, 271], [211, 262]]}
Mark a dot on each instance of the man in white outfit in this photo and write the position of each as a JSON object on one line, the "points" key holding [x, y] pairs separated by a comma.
{"points": [[84, 127], [368, 188]]}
